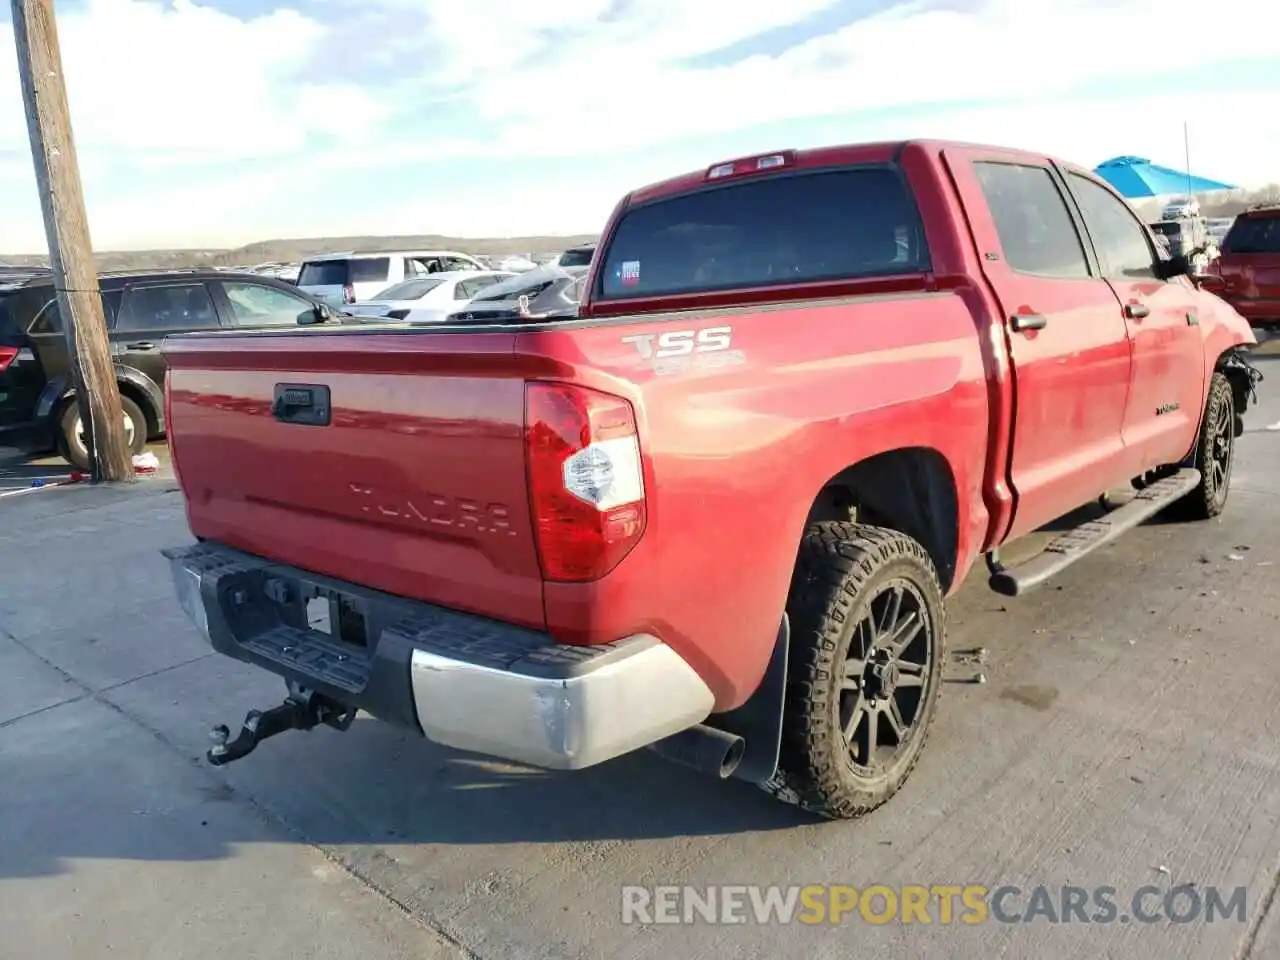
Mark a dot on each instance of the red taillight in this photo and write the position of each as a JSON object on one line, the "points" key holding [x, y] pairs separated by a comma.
{"points": [[349, 294], [7, 356], [586, 481]]}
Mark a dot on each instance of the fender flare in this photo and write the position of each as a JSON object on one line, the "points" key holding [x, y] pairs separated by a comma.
{"points": [[58, 390]]}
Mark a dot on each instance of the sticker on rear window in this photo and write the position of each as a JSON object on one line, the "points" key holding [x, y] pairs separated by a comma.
{"points": [[629, 273]]}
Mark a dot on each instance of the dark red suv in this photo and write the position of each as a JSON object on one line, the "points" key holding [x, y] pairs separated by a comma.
{"points": [[1247, 275]]}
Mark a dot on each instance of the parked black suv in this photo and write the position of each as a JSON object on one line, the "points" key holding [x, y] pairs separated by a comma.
{"points": [[141, 309]]}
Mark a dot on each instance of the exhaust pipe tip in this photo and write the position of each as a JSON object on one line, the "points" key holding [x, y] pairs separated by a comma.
{"points": [[704, 749]]}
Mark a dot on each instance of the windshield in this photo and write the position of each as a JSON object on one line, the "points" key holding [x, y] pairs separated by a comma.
{"points": [[578, 257], [408, 290], [838, 224], [1254, 235]]}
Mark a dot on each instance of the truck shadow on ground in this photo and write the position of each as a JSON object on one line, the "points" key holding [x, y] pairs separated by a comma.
{"points": [[365, 788]]}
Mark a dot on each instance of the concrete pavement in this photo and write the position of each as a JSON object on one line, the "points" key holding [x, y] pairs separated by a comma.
{"points": [[1126, 737]]}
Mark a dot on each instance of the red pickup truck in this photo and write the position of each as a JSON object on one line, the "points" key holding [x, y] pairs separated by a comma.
{"points": [[717, 512], [1247, 272]]}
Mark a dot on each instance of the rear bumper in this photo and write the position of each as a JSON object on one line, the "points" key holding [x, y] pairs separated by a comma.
{"points": [[461, 680]]}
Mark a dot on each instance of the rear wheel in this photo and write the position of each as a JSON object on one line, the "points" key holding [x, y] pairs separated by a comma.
{"points": [[1214, 456], [868, 636], [71, 440]]}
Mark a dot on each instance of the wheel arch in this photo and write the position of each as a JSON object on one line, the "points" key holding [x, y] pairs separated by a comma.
{"points": [[912, 490], [1243, 379], [134, 384]]}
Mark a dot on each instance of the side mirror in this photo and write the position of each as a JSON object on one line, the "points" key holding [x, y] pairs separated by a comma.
{"points": [[1178, 265], [320, 313]]}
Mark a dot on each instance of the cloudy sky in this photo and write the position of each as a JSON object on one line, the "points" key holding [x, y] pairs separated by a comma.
{"points": [[227, 121]]}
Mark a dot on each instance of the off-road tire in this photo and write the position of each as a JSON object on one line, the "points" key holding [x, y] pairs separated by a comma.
{"points": [[1209, 498], [838, 572], [71, 449]]}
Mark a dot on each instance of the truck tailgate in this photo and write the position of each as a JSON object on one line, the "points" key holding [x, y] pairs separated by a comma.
{"points": [[416, 485]]}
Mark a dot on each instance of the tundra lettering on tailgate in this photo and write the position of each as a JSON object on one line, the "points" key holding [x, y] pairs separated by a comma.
{"points": [[436, 511], [679, 351]]}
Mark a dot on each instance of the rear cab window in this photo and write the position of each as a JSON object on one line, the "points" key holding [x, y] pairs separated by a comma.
{"points": [[344, 270], [1254, 234], [780, 230]]}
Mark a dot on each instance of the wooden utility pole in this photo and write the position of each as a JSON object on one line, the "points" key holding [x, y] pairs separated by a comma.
{"points": [[66, 227]]}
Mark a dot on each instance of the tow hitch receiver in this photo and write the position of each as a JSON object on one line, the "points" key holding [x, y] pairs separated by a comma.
{"points": [[303, 710]]}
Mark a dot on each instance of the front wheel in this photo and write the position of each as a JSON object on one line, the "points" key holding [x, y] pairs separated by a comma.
{"points": [[868, 636], [71, 439], [1214, 454]]}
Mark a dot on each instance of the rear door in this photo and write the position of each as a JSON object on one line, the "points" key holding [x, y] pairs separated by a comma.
{"points": [[151, 311], [1162, 413], [1067, 338]]}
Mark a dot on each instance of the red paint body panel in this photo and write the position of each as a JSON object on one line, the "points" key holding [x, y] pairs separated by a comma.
{"points": [[419, 485], [1248, 279], [416, 488]]}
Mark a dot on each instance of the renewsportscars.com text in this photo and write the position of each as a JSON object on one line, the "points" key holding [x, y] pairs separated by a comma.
{"points": [[967, 904]]}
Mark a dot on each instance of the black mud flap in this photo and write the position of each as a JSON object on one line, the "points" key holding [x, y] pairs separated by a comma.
{"points": [[759, 720]]}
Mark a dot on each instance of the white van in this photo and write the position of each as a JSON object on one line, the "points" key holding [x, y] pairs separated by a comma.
{"points": [[340, 279]]}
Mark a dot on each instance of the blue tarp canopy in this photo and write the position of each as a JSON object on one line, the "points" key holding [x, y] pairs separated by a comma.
{"points": [[1136, 177]]}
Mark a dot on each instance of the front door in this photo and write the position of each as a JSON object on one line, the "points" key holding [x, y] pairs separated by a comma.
{"points": [[1162, 415], [1066, 335]]}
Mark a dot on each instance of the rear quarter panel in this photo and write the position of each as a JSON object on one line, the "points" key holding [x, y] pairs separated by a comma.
{"points": [[736, 452]]}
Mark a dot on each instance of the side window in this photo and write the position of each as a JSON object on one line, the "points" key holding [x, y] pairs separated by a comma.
{"points": [[1122, 240], [371, 270], [185, 306], [414, 269], [1032, 219], [48, 319], [457, 263], [253, 305]]}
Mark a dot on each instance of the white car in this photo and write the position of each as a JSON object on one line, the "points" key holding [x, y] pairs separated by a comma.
{"points": [[1181, 208], [341, 279], [516, 263], [429, 299]]}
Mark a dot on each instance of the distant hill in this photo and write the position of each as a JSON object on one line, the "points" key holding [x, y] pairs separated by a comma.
{"points": [[292, 251]]}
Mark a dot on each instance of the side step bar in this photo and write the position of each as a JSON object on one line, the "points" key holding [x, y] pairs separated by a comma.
{"points": [[1069, 547]]}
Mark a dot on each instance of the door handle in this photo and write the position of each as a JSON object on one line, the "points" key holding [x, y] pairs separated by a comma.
{"points": [[1193, 320], [1029, 321], [140, 345], [1136, 311]]}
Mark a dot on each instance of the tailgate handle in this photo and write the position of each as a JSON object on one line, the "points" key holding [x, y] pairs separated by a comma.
{"points": [[301, 403]]}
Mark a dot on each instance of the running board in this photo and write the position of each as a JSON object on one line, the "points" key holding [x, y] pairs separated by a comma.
{"points": [[1066, 548]]}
